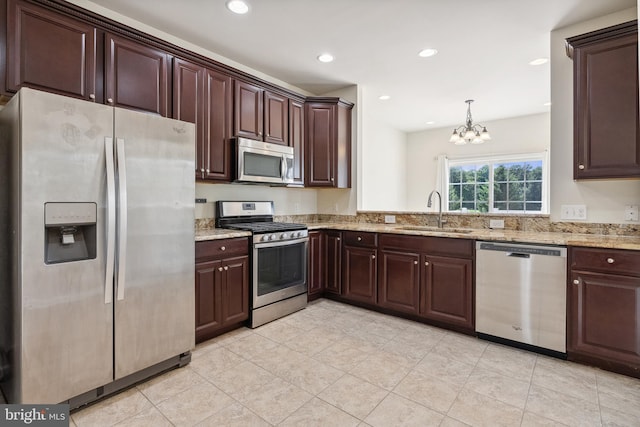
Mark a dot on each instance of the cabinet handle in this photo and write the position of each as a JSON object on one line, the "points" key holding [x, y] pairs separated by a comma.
{"points": [[207, 170], [373, 257], [611, 260], [226, 267], [426, 263], [338, 239], [92, 96], [415, 262], [576, 282], [359, 239], [223, 248], [219, 268], [110, 100], [580, 167]]}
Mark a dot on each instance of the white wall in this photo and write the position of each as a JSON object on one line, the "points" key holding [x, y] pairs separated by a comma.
{"points": [[384, 164], [605, 200], [526, 134]]}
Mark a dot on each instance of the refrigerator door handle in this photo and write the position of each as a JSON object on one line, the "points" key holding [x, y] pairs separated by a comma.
{"points": [[122, 209], [111, 220]]}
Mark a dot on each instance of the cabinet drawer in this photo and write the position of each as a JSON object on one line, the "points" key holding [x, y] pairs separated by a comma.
{"points": [[606, 260], [356, 238], [445, 246], [222, 248]]}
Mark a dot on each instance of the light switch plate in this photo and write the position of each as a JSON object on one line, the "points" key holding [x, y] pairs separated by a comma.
{"points": [[496, 223], [389, 219], [631, 213], [573, 212]]}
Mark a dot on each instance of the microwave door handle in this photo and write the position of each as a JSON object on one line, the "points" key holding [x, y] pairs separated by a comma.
{"points": [[283, 168]]}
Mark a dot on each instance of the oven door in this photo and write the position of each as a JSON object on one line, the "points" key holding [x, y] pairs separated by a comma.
{"points": [[279, 270]]}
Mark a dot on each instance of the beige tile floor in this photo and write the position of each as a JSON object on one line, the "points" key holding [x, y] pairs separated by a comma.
{"points": [[332, 364]]}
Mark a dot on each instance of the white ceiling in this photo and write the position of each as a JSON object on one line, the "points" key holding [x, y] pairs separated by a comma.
{"points": [[484, 48]]}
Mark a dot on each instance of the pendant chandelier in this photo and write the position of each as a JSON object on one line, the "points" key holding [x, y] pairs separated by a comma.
{"points": [[475, 134]]}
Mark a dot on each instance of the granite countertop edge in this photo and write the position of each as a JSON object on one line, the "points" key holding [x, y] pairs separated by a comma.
{"points": [[498, 235]]}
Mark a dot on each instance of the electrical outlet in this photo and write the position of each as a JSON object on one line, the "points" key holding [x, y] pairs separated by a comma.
{"points": [[496, 223], [631, 213], [389, 219], [573, 212], [296, 207], [335, 208]]}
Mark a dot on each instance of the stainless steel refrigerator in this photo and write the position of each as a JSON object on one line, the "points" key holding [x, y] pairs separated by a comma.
{"points": [[96, 247]]}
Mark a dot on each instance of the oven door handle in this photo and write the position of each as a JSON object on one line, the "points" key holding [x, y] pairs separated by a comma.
{"points": [[273, 244]]}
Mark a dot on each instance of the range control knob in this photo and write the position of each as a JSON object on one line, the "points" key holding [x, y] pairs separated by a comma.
{"points": [[272, 237], [284, 236], [265, 238]]}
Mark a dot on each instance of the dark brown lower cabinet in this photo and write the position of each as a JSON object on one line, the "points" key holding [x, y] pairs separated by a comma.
{"points": [[221, 286], [333, 262], [315, 265], [604, 310], [399, 281], [447, 290], [359, 274]]}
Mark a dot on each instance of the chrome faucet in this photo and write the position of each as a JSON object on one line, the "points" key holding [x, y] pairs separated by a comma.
{"points": [[429, 202]]}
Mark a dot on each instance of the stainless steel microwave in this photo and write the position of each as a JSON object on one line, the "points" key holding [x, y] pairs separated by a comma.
{"points": [[262, 162]]}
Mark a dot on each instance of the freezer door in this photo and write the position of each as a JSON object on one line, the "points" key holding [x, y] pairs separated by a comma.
{"points": [[155, 248], [64, 347]]}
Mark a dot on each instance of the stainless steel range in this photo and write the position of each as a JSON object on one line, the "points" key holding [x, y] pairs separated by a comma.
{"points": [[279, 258]]}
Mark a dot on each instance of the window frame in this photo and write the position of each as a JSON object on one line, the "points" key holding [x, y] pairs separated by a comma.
{"points": [[492, 161]]}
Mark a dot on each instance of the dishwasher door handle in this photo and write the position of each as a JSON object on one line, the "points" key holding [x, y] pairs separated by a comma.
{"points": [[518, 255]]}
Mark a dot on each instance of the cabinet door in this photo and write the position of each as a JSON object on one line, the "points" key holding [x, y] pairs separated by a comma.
{"points": [[606, 128], [447, 285], [359, 276], [135, 75], [320, 146], [235, 290], [49, 51], [399, 281], [248, 110], [276, 118], [333, 262], [188, 105], [218, 107], [296, 139], [208, 299], [603, 318], [315, 273]]}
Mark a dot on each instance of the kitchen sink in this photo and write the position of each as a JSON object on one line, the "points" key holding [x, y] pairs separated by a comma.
{"points": [[435, 229]]}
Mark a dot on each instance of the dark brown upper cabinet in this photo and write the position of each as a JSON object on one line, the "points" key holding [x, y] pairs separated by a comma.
{"points": [[296, 139], [606, 124], [136, 75], [50, 51], [260, 114], [328, 143], [204, 97]]}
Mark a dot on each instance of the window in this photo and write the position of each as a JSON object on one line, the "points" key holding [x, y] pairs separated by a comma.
{"points": [[507, 184]]}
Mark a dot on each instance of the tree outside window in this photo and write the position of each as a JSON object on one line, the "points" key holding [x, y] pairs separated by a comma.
{"points": [[496, 186]]}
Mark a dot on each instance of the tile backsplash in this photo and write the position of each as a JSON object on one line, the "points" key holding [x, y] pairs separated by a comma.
{"points": [[535, 223]]}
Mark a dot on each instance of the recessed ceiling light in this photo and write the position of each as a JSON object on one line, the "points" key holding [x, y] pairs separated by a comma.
{"points": [[325, 57], [547, 104], [431, 123], [238, 6], [425, 53], [539, 61], [384, 97]]}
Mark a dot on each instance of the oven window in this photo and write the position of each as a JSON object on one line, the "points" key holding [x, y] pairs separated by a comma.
{"points": [[281, 267], [262, 165]]}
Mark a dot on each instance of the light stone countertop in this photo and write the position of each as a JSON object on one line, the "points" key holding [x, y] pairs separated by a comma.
{"points": [[220, 233], [547, 238]]}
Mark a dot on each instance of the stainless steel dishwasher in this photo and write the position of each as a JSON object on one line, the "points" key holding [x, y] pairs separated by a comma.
{"points": [[521, 293]]}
